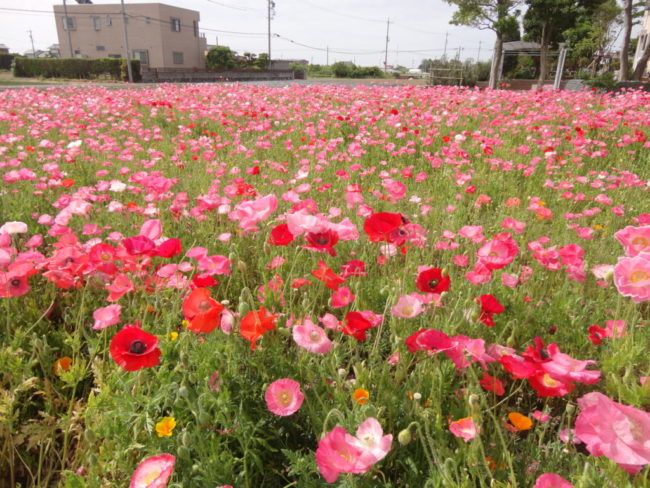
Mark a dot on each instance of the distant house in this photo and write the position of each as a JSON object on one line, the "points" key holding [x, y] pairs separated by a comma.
{"points": [[4, 49], [283, 64], [644, 39], [160, 36], [54, 50]]}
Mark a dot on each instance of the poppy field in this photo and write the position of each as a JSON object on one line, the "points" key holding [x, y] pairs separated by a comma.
{"points": [[309, 286]]}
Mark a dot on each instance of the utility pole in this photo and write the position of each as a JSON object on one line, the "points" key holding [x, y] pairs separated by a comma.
{"points": [[31, 38], [386, 51], [126, 45], [444, 53], [270, 5], [67, 28], [478, 56], [327, 59]]}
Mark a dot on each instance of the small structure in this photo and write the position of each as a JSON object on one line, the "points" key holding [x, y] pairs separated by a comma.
{"points": [[160, 36], [515, 48], [284, 64], [4, 49]]}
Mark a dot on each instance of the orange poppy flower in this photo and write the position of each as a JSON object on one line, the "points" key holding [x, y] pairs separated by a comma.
{"points": [[520, 422], [62, 364], [254, 324], [203, 312], [68, 182], [360, 396]]}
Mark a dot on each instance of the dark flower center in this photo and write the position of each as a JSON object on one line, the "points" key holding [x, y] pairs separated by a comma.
{"points": [[321, 239], [544, 354], [433, 283], [15, 282], [205, 306], [68, 260], [137, 347]]}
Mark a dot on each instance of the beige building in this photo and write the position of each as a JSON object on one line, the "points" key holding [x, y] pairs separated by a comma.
{"points": [[160, 36], [644, 39]]}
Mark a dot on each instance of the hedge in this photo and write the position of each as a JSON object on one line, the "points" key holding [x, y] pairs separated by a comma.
{"points": [[5, 60], [75, 68]]}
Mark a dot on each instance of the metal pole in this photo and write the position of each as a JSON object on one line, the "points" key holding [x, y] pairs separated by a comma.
{"points": [[386, 52], [67, 28], [478, 56], [444, 52], [268, 19], [560, 67], [327, 60], [32, 39], [126, 45]]}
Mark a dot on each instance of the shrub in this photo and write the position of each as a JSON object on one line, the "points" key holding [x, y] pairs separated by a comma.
{"points": [[6, 60], [75, 68], [221, 58]]}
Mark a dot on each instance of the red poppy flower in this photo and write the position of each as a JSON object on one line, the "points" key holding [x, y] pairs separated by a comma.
{"points": [[322, 241], [137, 245], [329, 277], [202, 311], [204, 281], [356, 325], [432, 281], [428, 340], [489, 306], [132, 348], [169, 248], [384, 226], [280, 235], [490, 383], [254, 324], [354, 267]]}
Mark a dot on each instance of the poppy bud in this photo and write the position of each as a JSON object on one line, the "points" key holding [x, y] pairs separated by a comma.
{"points": [[183, 452], [404, 437], [241, 266], [474, 403], [232, 256], [204, 417], [243, 308], [186, 438], [570, 408], [89, 436], [183, 392], [92, 460]]}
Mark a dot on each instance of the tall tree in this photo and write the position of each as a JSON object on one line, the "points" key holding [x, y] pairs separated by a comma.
{"points": [[498, 16], [624, 70]]}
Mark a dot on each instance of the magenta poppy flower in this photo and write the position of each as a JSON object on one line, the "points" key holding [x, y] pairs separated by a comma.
{"points": [[153, 472], [283, 397], [551, 480], [499, 252], [132, 348]]}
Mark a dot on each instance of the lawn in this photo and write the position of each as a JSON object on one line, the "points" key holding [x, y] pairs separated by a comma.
{"points": [[326, 285]]}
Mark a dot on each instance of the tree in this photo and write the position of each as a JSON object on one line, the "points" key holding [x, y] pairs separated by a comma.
{"points": [[221, 57], [624, 70], [499, 16]]}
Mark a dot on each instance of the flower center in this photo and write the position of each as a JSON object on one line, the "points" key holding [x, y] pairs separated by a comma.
{"points": [[433, 283], [205, 306], [639, 275], [137, 347], [105, 257], [321, 239], [15, 282], [284, 398], [314, 336], [640, 241], [408, 310], [548, 381], [150, 477]]}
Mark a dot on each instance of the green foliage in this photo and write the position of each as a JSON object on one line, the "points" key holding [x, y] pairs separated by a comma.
{"points": [[221, 58], [496, 15], [350, 70], [75, 68], [319, 70], [6, 60], [342, 70], [604, 82]]}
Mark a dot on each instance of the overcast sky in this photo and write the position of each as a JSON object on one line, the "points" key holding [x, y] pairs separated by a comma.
{"points": [[354, 30]]}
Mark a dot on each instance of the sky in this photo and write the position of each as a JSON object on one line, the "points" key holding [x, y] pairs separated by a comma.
{"points": [[354, 30]]}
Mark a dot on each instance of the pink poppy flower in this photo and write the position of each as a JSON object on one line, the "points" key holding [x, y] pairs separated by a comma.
{"points": [[464, 428], [153, 472], [551, 480], [151, 229], [311, 337], [618, 432], [632, 277], [283, 397], [13, 228], [634, 239], [342, 297], [499, 252], [407, 307], [371, 440], [107, 316]]}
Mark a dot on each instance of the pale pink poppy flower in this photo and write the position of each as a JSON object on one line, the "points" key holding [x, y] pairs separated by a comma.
{"points": [[634, 239], [283, 397], [551, 480], [509, 280], [464, 428], [461, 260], [371, 440], [151, 229], [249, 213], [541, 416], [473, 233], [407, 307], [330, 322], [616, 431], [342, 297], [615, 328], [566, 369], [107, 316], [311, 337], [227, 321], [632, 277], [34, 241], [603, 271], [153, 472], [13, 228]]}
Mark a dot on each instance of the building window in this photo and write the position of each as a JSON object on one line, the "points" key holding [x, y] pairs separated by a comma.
{"points": [[176, 24], [147, 20], [97, 23], [69, 23], [100, 48], [142, 55], [108, 20], [196, 28], [178, 57]]}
